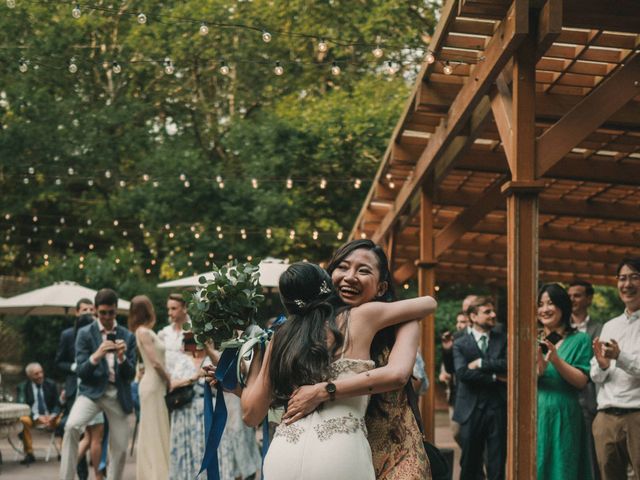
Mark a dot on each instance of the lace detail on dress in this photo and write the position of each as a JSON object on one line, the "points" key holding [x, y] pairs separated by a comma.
{"points": [[348, 424], [344, 365], [291, 433]]}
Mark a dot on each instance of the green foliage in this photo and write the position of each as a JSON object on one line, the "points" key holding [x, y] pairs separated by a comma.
{"points": [[226, 303]]}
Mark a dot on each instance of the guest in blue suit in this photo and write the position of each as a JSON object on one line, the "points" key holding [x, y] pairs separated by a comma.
{"points": [[105, 365], [481, 399]]}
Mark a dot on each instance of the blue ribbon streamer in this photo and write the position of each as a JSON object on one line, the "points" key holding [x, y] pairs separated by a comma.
{"points": [[215, 421]]}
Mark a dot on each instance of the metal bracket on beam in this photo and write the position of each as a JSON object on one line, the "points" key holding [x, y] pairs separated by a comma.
{"points": [[523, 187], [426, 264]]}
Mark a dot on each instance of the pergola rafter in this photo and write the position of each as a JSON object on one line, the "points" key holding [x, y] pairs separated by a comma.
{"points": [[521, 166]]}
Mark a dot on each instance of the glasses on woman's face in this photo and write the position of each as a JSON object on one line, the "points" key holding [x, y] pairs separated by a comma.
{"points": [[632, 277]]}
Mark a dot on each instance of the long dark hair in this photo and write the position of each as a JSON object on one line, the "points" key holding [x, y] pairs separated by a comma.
{"points": [[560, 298], [383, 340], [300, 355]]}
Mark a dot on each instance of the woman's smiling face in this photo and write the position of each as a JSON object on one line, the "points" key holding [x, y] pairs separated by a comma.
{"points": [[357, 278], [549, 315]]}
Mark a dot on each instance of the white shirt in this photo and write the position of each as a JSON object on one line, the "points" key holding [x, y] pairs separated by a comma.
{"points": [[171, 337], [34, 407], [582, 327], [619, 385]]}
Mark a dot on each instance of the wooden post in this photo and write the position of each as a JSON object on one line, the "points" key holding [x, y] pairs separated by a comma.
{"points": [[426, 286], [522, 270]]}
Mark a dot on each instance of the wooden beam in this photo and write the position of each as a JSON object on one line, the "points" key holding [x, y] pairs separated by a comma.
{"points": [[466, 220], [591, 13], [591, 112], [426, 286], [501, 106], [499, 49], [549, 25]]}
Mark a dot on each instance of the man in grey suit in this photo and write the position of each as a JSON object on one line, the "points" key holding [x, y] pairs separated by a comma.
{"points": [[480, 361], [581, 294], [105, 364]]}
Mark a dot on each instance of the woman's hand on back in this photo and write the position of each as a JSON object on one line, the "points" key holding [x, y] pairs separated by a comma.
{"points": [[304, 400]]}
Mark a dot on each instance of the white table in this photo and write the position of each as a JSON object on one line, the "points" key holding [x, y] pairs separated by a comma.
{"points": [[10, 414]]}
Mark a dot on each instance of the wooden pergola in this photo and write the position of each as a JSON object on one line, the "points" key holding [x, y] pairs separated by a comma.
{"points": [[520, 165]]}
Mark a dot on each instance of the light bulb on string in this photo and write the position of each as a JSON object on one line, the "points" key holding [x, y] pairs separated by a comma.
{"points": [[254, 182], [204, 29], [266, 36], [315, 235], [322, 46], [357, 183], [168, 66], [448, 69], [430, 58], [11, 3], [289, 183], [292, 234], [31, 170], [323, 183], [390, 68], [363, 235], [278, 70], [23, 65], [224, 68], [339, 235], [268, 233], [73, 68], [335, 69], [107, 174], [378, 52], [76, 12], [142, 18], [243, 233], [115, 67]]}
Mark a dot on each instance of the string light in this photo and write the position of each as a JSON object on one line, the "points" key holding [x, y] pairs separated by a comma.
{"points": [[289, 183], [243, 233], [323, 184], [430, 58], [268, 233], [23, 65], [340, 235], [378, 52], [315, 235], [76, 12], [224, 68], [292, 234], [204, 29], [357, 183], [266, 36], [73, 68], [254, 182], [390, 68], [322, 46], [335, 69], [168, 66], [278, 70], [115, 68], [448, 69], [142, 18], [11, 3], [363, 235]]}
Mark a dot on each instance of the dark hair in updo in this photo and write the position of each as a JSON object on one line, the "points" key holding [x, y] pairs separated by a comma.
{"points": [[300, 355]]}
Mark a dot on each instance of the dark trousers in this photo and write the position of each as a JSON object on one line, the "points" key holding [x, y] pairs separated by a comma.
{"points": [[486, 428]]}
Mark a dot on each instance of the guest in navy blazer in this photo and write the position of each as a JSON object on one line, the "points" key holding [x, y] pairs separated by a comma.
{"points": [[481, 398], [105, 364]]}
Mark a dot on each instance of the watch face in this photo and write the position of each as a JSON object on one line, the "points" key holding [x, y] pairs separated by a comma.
{"points": [[331, 387]]}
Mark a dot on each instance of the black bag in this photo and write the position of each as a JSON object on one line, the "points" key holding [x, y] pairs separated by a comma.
{"points": [[439, 466], [179, 397]]}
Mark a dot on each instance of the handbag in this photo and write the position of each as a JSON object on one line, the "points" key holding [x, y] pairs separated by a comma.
{"points": [[179, 397], [439, 466]]}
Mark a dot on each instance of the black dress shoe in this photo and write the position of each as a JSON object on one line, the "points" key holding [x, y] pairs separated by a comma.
{"points": [[28, 459], [83, 469]]}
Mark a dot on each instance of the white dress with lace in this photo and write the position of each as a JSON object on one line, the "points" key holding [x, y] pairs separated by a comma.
{"points": [[330, 443]]}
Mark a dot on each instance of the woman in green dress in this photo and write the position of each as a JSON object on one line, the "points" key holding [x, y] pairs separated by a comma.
{"points": [[563, 366]]}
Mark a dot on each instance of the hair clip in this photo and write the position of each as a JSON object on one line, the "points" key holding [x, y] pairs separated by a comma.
{"points": [[299, 303], [324, 288]]}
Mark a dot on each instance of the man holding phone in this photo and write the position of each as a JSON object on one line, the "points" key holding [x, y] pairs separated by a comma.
{"points": [[615, 369], [105, 359]]}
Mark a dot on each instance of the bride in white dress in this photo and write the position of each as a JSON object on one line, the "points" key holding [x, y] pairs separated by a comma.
{"points": [[321, 341]]}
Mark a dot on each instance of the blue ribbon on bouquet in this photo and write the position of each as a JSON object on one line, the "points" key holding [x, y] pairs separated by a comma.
{"points": [[215, 420]]}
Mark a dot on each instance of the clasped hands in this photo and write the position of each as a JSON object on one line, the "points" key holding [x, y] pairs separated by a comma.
{"points": [[605, 352]]}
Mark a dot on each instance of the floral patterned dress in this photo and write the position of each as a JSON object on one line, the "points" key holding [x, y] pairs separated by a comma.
{"points": [[395, 439]]}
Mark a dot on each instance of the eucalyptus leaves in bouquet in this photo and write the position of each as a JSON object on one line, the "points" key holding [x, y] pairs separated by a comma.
{"points": [[226, 302]]}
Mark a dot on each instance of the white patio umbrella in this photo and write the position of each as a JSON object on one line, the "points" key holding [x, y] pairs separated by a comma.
{"points": [[57, 299], [270, 270]]}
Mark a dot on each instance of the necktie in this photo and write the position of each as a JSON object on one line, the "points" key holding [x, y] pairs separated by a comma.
{"points": [[42, 409], [482, 343]]}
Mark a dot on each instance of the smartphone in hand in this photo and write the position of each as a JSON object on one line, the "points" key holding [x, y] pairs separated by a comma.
{"points": [[553, 337], [112, 338]]}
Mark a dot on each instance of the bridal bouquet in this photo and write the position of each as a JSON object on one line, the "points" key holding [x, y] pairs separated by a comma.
{"points": [[225, 303]]}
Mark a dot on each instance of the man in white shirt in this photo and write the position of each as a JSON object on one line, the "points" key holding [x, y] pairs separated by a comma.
{"points": [[615, 369], [173, 333], [581, 295]]}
